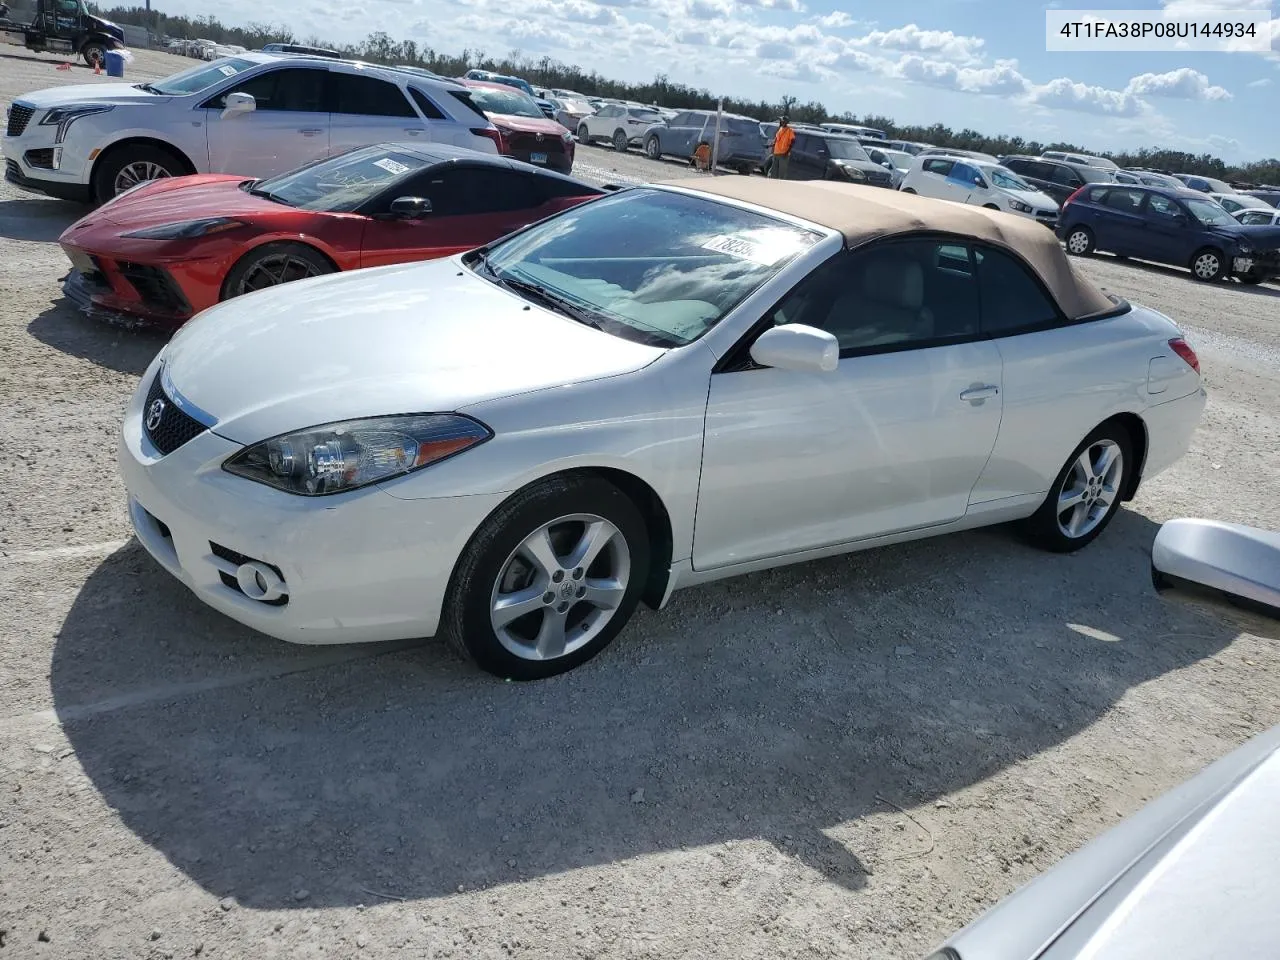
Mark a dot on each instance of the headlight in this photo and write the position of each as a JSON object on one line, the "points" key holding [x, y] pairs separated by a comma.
{"points": [[1019, 206], [1245, 249], [335, 457], [64, 117], [853, 173], [187, 229], [567, 137]]}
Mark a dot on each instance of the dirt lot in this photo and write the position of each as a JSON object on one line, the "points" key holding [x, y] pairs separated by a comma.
{"points": [[848, 758]]}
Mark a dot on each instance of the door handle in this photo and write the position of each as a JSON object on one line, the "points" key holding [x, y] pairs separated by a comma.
{"points": [[978, 394], [310, 131], [413, 131]]}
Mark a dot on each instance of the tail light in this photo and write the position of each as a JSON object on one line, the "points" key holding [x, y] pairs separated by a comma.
{"points": [[495, 134], [1183, 349], [1076, 193]]}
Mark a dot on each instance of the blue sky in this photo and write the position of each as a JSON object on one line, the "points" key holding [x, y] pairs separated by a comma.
{"points": [[965, 63]]}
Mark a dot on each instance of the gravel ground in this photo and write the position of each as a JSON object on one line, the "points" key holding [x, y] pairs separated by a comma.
{"points": [[847, 758]]}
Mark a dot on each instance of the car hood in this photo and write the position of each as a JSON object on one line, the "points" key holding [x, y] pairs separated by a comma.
{"points": [[411, 338], [1260, 236], [528, 124], [1033, 198], [178, 199], [90, 93], [867, 166]]}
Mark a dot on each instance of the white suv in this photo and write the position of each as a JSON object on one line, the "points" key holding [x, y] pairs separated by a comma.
{"points": [[620, 123], [255, 114], [984, 184]]}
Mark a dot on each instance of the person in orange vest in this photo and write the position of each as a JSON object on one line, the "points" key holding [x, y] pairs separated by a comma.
{"points": [[782, 142]]}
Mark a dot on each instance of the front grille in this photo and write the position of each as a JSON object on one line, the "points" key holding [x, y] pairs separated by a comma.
{"points": [[12, 171], [529, 143], [239, 559], [19, 117], [41, 159], [174, 428], [155, 287], [877, 179]]}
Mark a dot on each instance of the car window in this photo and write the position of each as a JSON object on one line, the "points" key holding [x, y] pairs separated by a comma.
{"points": [[1209, 213], [459, 191], [889, 297], [202, 77], [939, 166], [966, 174], [351, 93], [1229, 205], [1064, 175], [1011, 298], [1255, 217], [425, 104], [1007, 180], [651, 265], [841, 149], [1161, 206], [341, 184], [682, 120], [509, 101], [298, 90], [1125, 201]]}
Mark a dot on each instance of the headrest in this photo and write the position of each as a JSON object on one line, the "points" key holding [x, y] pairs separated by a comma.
{"points": [[894, 281]]}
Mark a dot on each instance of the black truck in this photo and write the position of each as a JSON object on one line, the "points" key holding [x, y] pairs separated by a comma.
{"points": [[63, 26]]}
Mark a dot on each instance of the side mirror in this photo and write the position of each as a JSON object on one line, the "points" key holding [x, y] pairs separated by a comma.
{"points": [[980, 183], [235, 104], [887, 164], [1226, 566], [409, 208], [797, 347]]}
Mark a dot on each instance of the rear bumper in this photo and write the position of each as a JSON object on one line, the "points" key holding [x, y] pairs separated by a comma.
{"points": [[1170, 427], [59, 189]]}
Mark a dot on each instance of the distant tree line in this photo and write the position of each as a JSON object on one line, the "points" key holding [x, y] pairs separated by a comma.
{"points": [[379, 47]]}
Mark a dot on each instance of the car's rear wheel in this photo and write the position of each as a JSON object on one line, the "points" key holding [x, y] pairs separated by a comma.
{"points": [[1086, 493], [653, 149], [1208, 265], [273, 264], [549, 579], [1080, 241], [131, 164], [620, 142]]}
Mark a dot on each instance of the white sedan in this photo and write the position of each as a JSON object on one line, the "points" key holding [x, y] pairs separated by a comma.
{"points": [[514, 447], [982, 183]]}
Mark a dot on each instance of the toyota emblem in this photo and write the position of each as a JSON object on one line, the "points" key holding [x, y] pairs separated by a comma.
{"points": [[539, 138], [154, 413]]}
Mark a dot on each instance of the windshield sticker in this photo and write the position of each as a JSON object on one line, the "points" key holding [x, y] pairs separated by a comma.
{"points": [[227, 71], [765, 252], [391, 166]]}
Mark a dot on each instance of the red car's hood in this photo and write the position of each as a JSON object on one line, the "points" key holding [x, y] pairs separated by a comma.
{"points": [[527, 124], [183, 198]]}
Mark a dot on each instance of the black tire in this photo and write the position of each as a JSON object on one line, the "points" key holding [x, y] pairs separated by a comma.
{"points": [[1080, 241], [109, 176], [1250, 278], [94, 54], [990, 206], [297, 261], [620, 141], [584, 135], [466, 623], [907, 190], [1044, 526], [744, 169], [767, 166], [1204, 257], [653, 149]]}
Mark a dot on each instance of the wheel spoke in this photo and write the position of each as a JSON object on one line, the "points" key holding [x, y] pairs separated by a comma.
{"points": [[1079, 517], [594, 538], [551, 635], [1069, 498], [513, 606], [605, 594], [542, 552], [1084, 463]]}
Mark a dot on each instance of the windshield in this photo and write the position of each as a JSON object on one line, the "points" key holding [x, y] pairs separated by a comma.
{"points": [[200, 78], [1093, 174], [1009, 180], [740, 126], [650, 265], [340, 184], [643, 113], [511, 102], [1103, 163], [846, 150], [1208, 212]]}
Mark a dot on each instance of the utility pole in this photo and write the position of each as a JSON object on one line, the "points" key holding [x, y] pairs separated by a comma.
{"points": [[715, 141]]}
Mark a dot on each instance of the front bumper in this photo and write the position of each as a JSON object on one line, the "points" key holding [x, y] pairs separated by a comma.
{"points": [[1265, 264], [59, 189], [356, 567]]}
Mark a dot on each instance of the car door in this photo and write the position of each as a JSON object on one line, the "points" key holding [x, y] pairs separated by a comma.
{"points": [[1062, 182], [364, 110], [678, 138], [1057, 383], [932, 181], [808, 159], [1118, 223], [964, 183], [893, 439], [289, 126], [1168, 231], [602, 118], [471, 205]]}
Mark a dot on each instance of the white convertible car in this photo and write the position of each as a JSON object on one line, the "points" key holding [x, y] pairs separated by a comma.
{"points": [[514, 447]]}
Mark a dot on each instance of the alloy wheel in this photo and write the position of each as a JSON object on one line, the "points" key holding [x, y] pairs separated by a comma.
{"points": [[1090, 488], [560, 587], [274, 270], [140, 171]]}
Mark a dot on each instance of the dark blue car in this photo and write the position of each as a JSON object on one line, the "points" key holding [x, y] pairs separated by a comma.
{"points": [[1179, 227]]}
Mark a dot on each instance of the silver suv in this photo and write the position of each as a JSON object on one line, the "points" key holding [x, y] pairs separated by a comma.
{"points": [[256, 114]]}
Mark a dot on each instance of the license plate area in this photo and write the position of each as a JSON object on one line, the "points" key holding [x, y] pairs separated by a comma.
{"points": [[537, 158]]}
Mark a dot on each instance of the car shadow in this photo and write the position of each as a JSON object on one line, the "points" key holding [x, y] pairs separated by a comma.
{"points": [[1166, 271], [37, 220], [64, 327], [774, 706]]}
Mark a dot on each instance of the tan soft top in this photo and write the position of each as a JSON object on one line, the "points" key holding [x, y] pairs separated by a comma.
{"points": [[863, 214]]}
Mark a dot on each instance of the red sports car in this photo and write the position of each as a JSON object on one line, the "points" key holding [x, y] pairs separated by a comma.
{"points": [[168, 249], [521, 130]]}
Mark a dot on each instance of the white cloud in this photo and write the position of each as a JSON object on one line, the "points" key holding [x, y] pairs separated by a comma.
{"points": [[772, 50], [1264, 82], [1181, 84], [794, 6], [709, 9], [912, 39], [1066, 94], [792, 70], [1002, 79], [837, 19]]}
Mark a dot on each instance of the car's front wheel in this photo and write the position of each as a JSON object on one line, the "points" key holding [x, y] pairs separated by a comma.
{"points": [[1208, 265], [653, 149], [1086, 493], [1080, 241], [907, 190], [549, 579], [130, 164], [273, 264]]}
